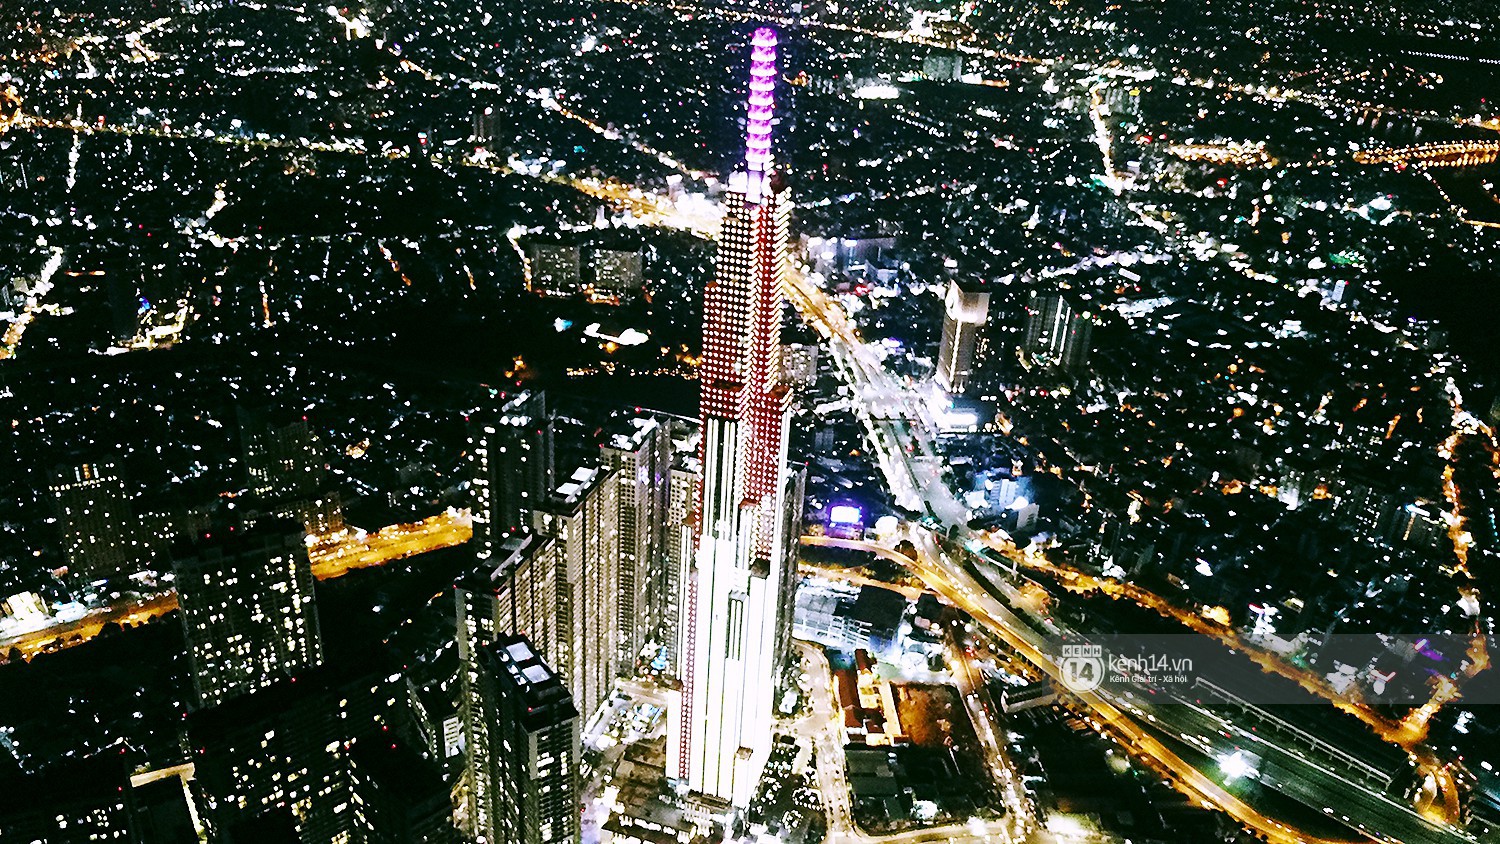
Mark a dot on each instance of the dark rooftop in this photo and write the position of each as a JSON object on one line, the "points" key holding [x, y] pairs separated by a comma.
{"points": [[517, 664]]}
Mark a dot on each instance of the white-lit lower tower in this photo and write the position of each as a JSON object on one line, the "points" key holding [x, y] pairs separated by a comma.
{"points": [[733, 592]]}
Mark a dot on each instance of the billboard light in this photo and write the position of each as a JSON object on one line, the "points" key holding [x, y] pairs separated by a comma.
{"points": [[844, 514]]}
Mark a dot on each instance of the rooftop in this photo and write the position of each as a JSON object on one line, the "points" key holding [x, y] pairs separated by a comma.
{"points": [[514, 550], [539, 689], [638, 429], [565, 499], [216, 544]]}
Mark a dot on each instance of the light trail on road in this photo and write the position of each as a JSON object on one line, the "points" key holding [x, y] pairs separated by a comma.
{"points": [[349, 550]]}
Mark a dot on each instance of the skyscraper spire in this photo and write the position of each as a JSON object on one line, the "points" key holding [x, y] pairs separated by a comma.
{"points": [[762, 102]]}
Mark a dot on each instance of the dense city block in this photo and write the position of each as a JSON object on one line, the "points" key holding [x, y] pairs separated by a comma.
{"points": [[685, 421]]}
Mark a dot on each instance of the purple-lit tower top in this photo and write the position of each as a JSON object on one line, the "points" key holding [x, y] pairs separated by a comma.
{"points": [[762, 100]]}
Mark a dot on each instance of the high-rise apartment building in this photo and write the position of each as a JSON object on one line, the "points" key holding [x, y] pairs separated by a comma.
{"points": [[282, 759], [943, 67], [248, 613], [101, 537], [524, 748], [799, 364], [524, 588], [1057, 332], [1420, 524], [581, 516], [398, 796], [553, 268], [72, 801], [519, 765], [559, 588], [283, 458], [285, 470], [682, 536], [641, 457], [1371, 513], [733, 593], [964, 316], [510, 450], [614, 272]]}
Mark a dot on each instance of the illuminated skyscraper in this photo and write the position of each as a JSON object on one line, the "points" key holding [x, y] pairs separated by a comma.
{"points": [[511, 456], [70, 802], [736, 590], [522, 588], [283, 762], [1057, 332], [248, 612], [283, 459], [520, 724], [641, 457], [964, 315], [101, 537], [284, 469], [524, 748], [581, 515], [681, 537]]}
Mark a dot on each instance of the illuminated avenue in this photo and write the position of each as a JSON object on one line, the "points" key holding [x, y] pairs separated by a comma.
{"points": [[749, 421]]}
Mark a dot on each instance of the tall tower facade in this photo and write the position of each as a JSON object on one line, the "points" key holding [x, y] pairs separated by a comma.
{"points": [[248, 611], [581, 516], [101, 537], [681, 537], [641, 457], [510, 451], [733, 591], [964, 315], [524, 751], [283, 459], [1057, 333], [522, 590], [284, 469]]}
